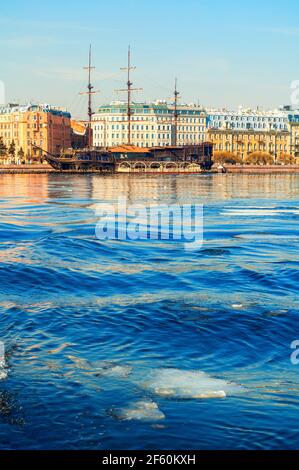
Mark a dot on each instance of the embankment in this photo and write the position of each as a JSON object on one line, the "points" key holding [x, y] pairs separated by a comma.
{"points": [[262, 169], [25, 169]]}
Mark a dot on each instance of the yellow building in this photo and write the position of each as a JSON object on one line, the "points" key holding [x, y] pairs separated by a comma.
{"points": [[31, 125], [294, 126], [244, 142]]}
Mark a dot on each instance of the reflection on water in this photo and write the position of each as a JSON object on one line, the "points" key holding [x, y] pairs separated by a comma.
{"points": [[148, 187], [106, 339]]}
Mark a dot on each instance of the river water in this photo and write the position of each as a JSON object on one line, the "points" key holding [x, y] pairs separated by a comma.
{"points": [[86, 323]]}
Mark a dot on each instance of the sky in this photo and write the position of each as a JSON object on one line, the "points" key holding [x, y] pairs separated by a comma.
{"points": [[224, 53]]}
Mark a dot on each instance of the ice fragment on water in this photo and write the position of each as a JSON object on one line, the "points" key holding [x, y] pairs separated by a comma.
{"points": [[114, 371], [3, 374], [187, 384], [141, 411], [3, 370]]}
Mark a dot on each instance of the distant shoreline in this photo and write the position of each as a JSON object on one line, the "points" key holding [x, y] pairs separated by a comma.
{"points": [[230, 169]]}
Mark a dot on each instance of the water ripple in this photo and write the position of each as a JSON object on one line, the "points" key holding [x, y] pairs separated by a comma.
{"points": [[85, 322]]}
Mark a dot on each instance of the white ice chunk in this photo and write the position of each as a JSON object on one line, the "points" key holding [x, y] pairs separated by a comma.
{"points": [[3, 374], [121, 371], [3, 370], [141, 411], [187, 384], [237, 306], [102, 368]]}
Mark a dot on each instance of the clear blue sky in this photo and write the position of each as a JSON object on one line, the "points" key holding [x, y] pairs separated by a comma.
{"points": [[224, 53]]}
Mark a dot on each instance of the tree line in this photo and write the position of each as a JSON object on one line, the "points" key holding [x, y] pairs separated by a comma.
{"points": [[254, 158], [10, 151]]}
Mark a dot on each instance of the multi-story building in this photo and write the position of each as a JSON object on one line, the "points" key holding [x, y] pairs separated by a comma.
{"points": [[40, 125], [248, 120], [151, 125], [245, 131], [294, 131], [244, 142]]}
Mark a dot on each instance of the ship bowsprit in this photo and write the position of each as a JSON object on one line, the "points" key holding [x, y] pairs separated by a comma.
{"points": [[83, 161]]}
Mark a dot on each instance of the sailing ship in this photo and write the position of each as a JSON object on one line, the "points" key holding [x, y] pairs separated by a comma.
{"points": [[127, 157]]}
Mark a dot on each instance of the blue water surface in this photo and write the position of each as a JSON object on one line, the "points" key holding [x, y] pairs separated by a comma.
{"points": [[69, 301]]}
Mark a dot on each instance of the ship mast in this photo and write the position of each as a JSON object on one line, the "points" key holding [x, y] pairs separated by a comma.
{"points": [[129, 90], [89, 92], [176, 114]]}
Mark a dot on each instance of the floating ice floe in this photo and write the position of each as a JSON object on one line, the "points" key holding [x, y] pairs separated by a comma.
{"points": [[3, 374], [237, 306], [188, 384], [140, 411], [257, 211], [113, 370], [171, 383], [3, 369], [102, 368]]}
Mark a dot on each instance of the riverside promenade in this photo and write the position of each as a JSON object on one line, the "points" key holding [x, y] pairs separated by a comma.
{"points": [[247, 169], [261, 169], [26, 169]]}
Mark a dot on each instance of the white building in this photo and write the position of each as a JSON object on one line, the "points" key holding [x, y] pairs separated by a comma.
{"points": [[151, 125], [246, 119]]}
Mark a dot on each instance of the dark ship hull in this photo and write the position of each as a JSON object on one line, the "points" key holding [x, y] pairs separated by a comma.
{"points": [[171, 159], [130, 159], [83, 161]]}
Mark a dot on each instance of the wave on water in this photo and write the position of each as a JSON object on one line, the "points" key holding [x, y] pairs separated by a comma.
{"points": [[122, 344]]}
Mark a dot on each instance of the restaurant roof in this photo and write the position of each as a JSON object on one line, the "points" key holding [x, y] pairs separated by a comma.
{"points": [[129, 149]]}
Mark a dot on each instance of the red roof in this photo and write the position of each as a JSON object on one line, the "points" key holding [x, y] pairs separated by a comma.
{"points": [[129, 149]]}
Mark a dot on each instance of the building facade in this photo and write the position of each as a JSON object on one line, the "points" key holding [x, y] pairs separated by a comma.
{"points": [[151, 125], [26, 126], [244, 142], [248, 120], [243, 132], [294, 131]]}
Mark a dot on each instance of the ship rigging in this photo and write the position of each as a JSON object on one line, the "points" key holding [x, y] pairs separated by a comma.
{"points": [[129, 158]]}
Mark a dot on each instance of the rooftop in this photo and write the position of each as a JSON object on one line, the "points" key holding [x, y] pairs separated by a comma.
{"points": [[128, 149], [157, 107], [46, 108]]}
